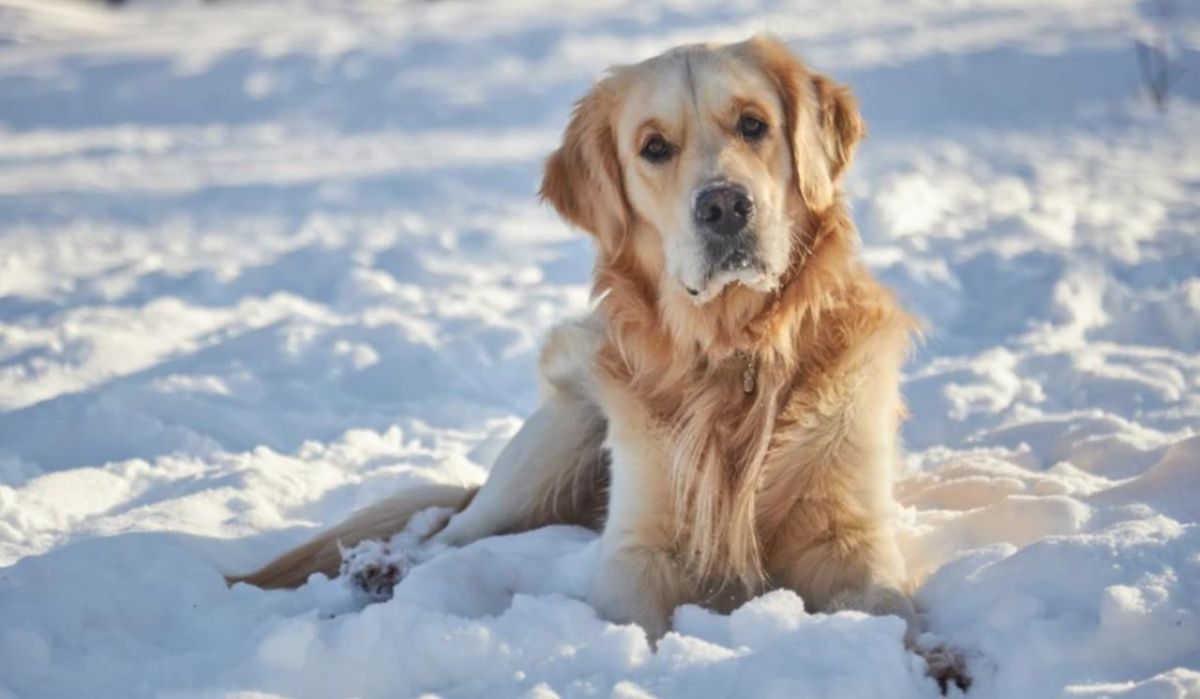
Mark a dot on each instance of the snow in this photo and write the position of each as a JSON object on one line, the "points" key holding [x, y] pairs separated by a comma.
{"points": [[262, 263]]}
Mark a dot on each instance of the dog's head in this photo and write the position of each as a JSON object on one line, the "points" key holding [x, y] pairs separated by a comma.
{"points": [[705, 161]]}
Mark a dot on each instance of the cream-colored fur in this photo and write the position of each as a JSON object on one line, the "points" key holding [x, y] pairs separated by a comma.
{"points": [[727, 441]]}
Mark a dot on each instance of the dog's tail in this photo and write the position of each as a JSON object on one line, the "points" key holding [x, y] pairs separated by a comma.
{"points": [[379, 521]]}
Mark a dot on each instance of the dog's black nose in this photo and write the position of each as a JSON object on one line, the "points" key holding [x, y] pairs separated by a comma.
{"points": [[724, 209]]}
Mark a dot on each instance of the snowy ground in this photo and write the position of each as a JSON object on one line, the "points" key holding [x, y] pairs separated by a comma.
{"points": [[262, 263]]}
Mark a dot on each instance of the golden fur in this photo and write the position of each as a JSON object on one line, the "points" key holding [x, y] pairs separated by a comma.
{"points": [[734, 455], [730, 438]]}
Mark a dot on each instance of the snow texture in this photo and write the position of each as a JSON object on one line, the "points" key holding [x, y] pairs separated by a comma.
{"points": [[262, 263]]}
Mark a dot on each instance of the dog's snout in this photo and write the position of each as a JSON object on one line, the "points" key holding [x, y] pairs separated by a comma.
{"points": [[724, 209]]}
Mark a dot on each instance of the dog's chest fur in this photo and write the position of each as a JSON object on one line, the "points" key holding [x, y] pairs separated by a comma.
{"points": [[776, 455]]}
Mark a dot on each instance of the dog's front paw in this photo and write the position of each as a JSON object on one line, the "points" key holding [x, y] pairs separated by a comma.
{"points": [[373, 568], [947, 667]]}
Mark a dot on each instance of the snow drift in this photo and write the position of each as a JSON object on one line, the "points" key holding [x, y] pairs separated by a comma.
{"points": [[264, 263]]}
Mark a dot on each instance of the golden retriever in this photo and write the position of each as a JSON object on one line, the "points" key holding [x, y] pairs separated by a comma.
{"points": [[728, 414]]}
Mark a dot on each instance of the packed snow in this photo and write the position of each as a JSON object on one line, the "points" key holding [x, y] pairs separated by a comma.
{"points": [[262, 263]]}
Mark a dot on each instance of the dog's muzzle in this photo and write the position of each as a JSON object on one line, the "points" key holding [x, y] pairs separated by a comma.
{"points": [[724, 214]]}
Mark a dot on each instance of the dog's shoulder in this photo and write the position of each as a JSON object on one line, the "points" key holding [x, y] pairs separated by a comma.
{"points": [[872, 325], [856, 349]]}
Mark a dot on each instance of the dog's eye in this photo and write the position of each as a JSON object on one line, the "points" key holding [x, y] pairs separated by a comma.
{"points": [[751, 129], [657, 150]]}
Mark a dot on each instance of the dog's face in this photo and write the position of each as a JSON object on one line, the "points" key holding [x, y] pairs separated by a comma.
{"points": [[703, 161], [706, 163]]}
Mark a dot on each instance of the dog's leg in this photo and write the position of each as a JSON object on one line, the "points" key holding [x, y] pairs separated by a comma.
{"points": [[637, 578], [836, 546], [860, 572], [861, 569], [323, 553], [547, 473], [551, 472], [880, 598]]}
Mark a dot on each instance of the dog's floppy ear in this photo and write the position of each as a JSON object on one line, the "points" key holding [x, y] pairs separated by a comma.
{"points": [[822, 117], [583, 177]]}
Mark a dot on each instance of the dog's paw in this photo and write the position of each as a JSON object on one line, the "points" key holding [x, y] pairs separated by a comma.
{"points": [[376, 581], [947, 667], [373, 568]]}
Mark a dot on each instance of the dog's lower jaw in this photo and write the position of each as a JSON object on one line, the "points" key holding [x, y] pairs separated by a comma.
{"points": [[715, 282]]}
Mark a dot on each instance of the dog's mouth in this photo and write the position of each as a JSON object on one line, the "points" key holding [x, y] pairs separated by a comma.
{"points": [[737, 263], [738, 260]]}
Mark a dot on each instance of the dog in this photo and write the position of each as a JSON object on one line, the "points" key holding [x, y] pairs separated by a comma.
{"points": [[727, 415]]}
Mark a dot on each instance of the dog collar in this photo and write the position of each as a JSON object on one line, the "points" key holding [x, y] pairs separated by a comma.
{"points": [[750, 372]]}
